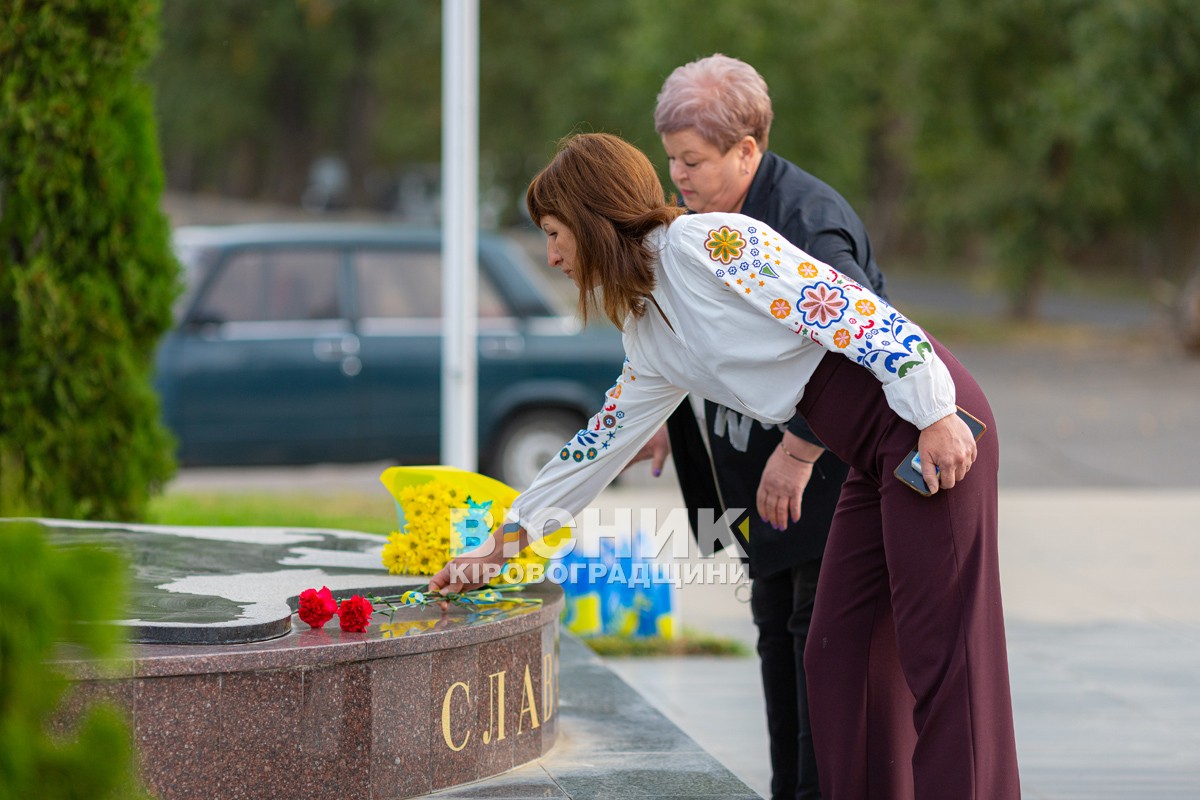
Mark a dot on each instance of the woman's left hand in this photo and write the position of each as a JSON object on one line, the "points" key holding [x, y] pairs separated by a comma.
{"points": [[947, 452], [784, 478]]}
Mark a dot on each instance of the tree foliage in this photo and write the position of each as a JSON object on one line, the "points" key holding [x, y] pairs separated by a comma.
{"points": [[1030, 130], [1046, 126], [55, 596], [86, 275]]}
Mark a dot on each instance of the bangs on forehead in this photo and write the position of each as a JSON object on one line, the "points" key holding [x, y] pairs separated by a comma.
{"points": [[540, 200]]}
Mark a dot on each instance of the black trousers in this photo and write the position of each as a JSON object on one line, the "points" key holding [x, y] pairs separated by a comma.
{"points": [[782, 606]]}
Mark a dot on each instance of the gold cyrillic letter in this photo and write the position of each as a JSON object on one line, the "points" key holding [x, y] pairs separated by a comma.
{"points": [[528, 703], [547, 686], [446, 715], [495, 701]]}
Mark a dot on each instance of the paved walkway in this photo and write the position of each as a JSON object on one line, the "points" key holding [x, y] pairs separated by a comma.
{"points": [[1102, 601]]}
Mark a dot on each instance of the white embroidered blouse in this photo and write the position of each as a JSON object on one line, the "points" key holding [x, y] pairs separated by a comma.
{"points": [[742, 317]]}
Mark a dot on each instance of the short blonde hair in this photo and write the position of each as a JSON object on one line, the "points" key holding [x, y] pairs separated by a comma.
{"points": [[723, 98]]}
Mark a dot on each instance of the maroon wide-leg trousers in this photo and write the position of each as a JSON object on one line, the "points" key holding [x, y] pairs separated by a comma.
{"points": [[933, 561]]}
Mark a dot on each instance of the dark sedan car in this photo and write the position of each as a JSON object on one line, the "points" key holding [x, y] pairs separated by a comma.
{"points": [[301, 343]]}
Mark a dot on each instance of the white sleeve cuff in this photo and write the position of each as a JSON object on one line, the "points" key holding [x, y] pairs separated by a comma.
{"points": [[924, 395]]}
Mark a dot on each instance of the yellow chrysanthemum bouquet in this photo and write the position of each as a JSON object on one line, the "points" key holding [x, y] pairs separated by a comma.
{"points": [[444, 512]]}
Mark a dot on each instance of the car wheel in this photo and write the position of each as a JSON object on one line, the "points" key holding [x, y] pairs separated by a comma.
{"points": [[528, 441]]}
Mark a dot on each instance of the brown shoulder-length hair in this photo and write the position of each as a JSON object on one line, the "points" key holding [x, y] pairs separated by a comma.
{"points": [[607, 193]]}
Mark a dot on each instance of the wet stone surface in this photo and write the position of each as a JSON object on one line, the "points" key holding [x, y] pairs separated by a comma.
{"points": [[225, 585]]}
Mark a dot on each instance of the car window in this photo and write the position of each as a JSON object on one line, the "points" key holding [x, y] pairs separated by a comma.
{"points": [[274, 285], [197, 263], [408, 283]]}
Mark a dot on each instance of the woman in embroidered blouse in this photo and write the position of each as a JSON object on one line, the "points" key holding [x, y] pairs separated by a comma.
{"points": [[722, 306], [714, 118]]}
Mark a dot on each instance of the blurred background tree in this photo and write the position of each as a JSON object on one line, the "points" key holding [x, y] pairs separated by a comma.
{"points": [[1026, 140], [1061, 133], [86, 273]]}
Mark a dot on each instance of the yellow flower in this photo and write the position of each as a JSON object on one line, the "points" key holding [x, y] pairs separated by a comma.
{"points": [[807, 270], [842, 338], [865, 307], [430, 538]]}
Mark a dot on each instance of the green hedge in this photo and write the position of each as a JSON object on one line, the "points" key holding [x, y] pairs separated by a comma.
{"points": [[87, 278], [49, 596]]}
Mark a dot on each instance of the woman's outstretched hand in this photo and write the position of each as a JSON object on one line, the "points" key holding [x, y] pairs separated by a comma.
{"points": [[473, 568], [947, 452]]}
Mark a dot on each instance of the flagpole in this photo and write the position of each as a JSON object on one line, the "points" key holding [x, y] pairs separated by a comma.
{"points": [[460, 231]]}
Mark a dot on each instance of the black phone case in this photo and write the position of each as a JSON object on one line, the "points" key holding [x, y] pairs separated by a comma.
{"points": [[912, 476]]}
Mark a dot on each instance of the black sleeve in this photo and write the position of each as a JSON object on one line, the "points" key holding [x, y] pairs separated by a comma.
{"points": [[835, 247], [799, 426]]}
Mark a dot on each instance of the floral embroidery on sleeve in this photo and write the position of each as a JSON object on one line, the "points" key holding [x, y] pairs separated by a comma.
{"points": [[822, 304], [725, 245], [816, 301], [602, 428]]}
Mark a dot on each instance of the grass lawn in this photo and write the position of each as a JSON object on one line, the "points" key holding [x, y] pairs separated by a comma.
{"points": [[689, 643], [370, 513]]}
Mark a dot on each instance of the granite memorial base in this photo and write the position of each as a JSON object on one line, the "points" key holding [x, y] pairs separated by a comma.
{"points": [[230, 696]]}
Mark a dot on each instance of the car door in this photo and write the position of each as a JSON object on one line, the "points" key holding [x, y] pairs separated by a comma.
{"points": [[267, 360], [399, 291]]}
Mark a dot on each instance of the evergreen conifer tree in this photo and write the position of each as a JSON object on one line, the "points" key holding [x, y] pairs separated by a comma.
{"points": [[87, 278]]}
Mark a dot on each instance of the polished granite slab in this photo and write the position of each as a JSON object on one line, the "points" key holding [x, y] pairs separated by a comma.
{"points": [[225, 585], [467, 702]]}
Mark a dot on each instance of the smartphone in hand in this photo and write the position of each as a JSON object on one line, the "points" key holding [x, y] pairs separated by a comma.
{"points": [[909, 470]]}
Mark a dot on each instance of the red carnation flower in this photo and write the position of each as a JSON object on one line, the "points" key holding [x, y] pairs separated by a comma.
{"points": [[354, 615], [317, 608]]}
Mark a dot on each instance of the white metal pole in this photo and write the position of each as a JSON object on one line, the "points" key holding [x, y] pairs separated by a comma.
{"points": [[460, 234]]}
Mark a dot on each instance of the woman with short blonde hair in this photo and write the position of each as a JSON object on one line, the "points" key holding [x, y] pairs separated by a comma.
{"points": [[723, 98]]}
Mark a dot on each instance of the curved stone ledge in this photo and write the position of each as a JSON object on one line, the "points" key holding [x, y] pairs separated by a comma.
{"points": [[327, 714], [421, 701], [410, 631]]}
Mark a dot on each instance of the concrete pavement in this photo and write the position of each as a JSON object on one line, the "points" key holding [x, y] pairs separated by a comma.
{"points": [[1102, 603]]}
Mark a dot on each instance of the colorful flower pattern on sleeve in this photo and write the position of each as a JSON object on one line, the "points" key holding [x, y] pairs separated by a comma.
{"points": [[725, 245], [814, 300], [602, 429]]}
